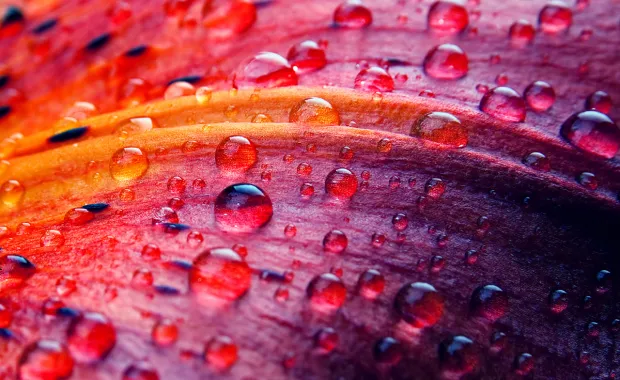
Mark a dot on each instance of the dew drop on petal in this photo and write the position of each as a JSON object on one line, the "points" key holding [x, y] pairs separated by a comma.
{"points": [[593, 132], [374, 79], [335, 241], [419, 304], [537, 161], [90, 337], [446, 61], [540, 96], [14, 271], [128, 164], [503, 103], [266, 70], [307, 56], [352, 14], [314, 111], [220, 272], [242, 207], [140, 371], [489, 302], [371, 284], [341, 183], [599, 101], [555, 17], [326, 292], [235, 154], [447, 17], [442, 128], [521, 32], [45, 359], [458, 355], [221, 352]]}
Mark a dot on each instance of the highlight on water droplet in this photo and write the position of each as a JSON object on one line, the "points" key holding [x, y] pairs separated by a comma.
{"points": [[555, 17]]}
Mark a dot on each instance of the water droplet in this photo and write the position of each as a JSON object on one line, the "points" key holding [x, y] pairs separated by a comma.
{"points": [[6, 317], [220, 272], [346, 153], [326, 340], [588, 180], [341, 183], [235, 154], [221, 352], [307, 56], [489, 302], [377, 240], [558, 301], [434, 188], [179, 89], [437, 262], [538, 161], [446, 61], [52, 239], [326, 292], [371, 284], [352, 14], [314, 111], [91, 337], [128, 164], [306, 190], [442, 128], [555, 17], [523, 364], [374, 79], [266, 70], [78, 216], [133, 92], [540, 96], [458, 355], [447, 17], [499, 342], [11, 193], [165, 215], [242, 208], [503, 103], [204, 94], [142, 278], [599, 101], [262, 118], [14, 271], [304, 169], [521, 32], [165, 333], [45, 359], [603, 281], [140, 371], [127, 195], [384, 145], [419, 304], [593, 132], [335, 241], [388, 351]]}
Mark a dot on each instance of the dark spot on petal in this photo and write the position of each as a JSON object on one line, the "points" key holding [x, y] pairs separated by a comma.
{"points": [[98, 42], [174, 227], [188, 79], [4, 79], [136, 51], [182, 264], [45, 26], [69, 134], [96, 207], [272, 276], [12, 15], [262, 3], [397, 62], [6, 334], [4, 110], [67, 312], [167, 290]]}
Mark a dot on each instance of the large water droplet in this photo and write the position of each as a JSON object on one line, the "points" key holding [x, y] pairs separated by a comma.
{"points": [[419, 304], [442, 128], [503, 103], [266, 70], [521, 32], [14, 271], [326, 292], [220, 272], [314, 111], [242, 208], [593, 132], [128, 164], [447, 17], [341, 183], [352, 14], [45, 360], [335, 241], [446, 61], [489, 302], [91, 337], [371, 284]]}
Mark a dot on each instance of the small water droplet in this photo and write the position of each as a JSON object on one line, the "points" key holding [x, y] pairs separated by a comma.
{"points": [[599, 101], [306, 190], [335, 241], [128, 164], [242, 208], [314, 111], [341, 183], [221, 352], [442, 128], [489, 302], [326, 292], [523, 364], [326, 340], [352, 14], [165, 333], [446, 61], [458, 355], [371, 284], [11, 193], [603, 281], [204, 94], [384, 145], [179, 89], [503, 103], [91, 337], [419, 304], [521, 32], [434, 188], [555, 17], [78, 216], [538, 161], [374, 79], [388, 351], [235, 154], [304, 169], [540, 96], [307, 56], [266, 70], [220, 272], [558, 301], [447, 17], [588, 180]]}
